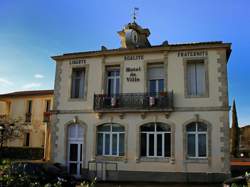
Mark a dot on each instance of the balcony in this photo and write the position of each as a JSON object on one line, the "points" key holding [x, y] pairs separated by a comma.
{"points": [[134, 102], [46, 117], [28, 117]]}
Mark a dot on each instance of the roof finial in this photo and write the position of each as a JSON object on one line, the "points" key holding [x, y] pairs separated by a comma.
{"points": [[135, 13]]}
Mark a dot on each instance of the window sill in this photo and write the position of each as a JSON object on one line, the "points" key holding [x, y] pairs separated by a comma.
{"points": [[155, 159], [196, 96], [110, 158], [76, 99], [197, 160]]}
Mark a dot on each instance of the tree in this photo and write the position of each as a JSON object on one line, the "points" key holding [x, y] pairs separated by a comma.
{"points": [[235, 132], [11, 129]]}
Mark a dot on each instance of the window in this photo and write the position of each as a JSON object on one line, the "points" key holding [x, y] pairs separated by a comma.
{"points": [[155, 140], [48, 105], [29, 111], [196, 140], [29, 108], [78, 83], [155, 79], [26, 139], [110, 140], [113, 81], [196, 78]]}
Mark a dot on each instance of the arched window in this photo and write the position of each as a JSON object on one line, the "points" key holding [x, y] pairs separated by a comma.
{"points": [[110, 140], [197, 140], [155, 140]]}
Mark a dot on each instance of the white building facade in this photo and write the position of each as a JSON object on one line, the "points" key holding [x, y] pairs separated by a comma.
{"points": [[142, 112]]}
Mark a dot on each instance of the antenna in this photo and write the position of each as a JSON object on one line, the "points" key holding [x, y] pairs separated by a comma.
{"points": [[135, 13]]}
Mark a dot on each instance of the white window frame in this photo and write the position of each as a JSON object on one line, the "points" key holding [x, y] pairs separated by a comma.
{"points": [[113, 79], [111, 133], [197, 133], [155, 133]]}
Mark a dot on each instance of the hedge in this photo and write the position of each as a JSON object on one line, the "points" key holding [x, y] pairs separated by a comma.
{"points": [[24, 153]]}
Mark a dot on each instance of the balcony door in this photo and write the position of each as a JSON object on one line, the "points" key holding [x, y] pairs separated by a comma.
{"points": [[113, 81], [75, 149]]}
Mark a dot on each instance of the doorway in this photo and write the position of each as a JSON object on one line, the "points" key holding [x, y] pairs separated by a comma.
{"points": [[75, 149]]}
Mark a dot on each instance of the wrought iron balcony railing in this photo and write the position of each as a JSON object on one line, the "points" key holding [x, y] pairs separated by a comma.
{"points": [[134, 101]]}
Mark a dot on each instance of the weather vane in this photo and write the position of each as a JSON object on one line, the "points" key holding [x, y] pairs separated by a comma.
{"points": [[135, 13]]}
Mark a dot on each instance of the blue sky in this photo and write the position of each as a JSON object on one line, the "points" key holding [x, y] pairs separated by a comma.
{"points": [[33, 30]]}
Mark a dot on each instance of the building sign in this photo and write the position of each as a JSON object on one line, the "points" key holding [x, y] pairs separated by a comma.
{"points": [[192, 54], [132, 74], [134, 57], [77, 62]]}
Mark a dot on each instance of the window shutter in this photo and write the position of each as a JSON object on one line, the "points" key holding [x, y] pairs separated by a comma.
{"points": [[155, 73]]}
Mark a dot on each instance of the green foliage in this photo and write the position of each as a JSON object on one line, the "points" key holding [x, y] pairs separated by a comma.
{"points": [[88, 184], [23, 153]]}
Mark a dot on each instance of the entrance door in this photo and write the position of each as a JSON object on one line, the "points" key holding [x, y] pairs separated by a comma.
{"points": [[75, 149]]}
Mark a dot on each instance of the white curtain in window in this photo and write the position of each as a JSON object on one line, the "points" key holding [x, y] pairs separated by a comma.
{"points": [[200, 78], [191, 79], [196, 78]]}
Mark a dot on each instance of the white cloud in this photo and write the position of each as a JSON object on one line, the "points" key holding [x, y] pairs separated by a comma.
{"points": [[39, 76], [5, 82], [32, 85]]}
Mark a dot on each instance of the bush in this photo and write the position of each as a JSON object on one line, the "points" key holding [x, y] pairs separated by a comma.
{"points": [[23, 153]]}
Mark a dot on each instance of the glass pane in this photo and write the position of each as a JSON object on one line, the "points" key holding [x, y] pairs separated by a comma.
{"points": [[151, 144], [162, 127], [104, 128], [73, 168], [148, 127], [191, 145], [202, 127], [114, 144], [80, 132], [117, 88], [110, 86], [167, 142], [143, 144], [159, 144], [160, 85], [73, 152], [200, 78], [117, 128], [121, 144], [77, 88], [117, 72], [191, 127], [72, 131], [152, 87], [80, 152], [99, 143], [107, 144], [191, 79], [202, 145], [80, 169]]}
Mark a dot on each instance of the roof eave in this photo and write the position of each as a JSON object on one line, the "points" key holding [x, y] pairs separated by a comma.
{"points": [[173, 47]]}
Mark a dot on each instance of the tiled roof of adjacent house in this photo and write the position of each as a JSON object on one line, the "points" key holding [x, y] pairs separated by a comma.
{"points": [[27, 93]]}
